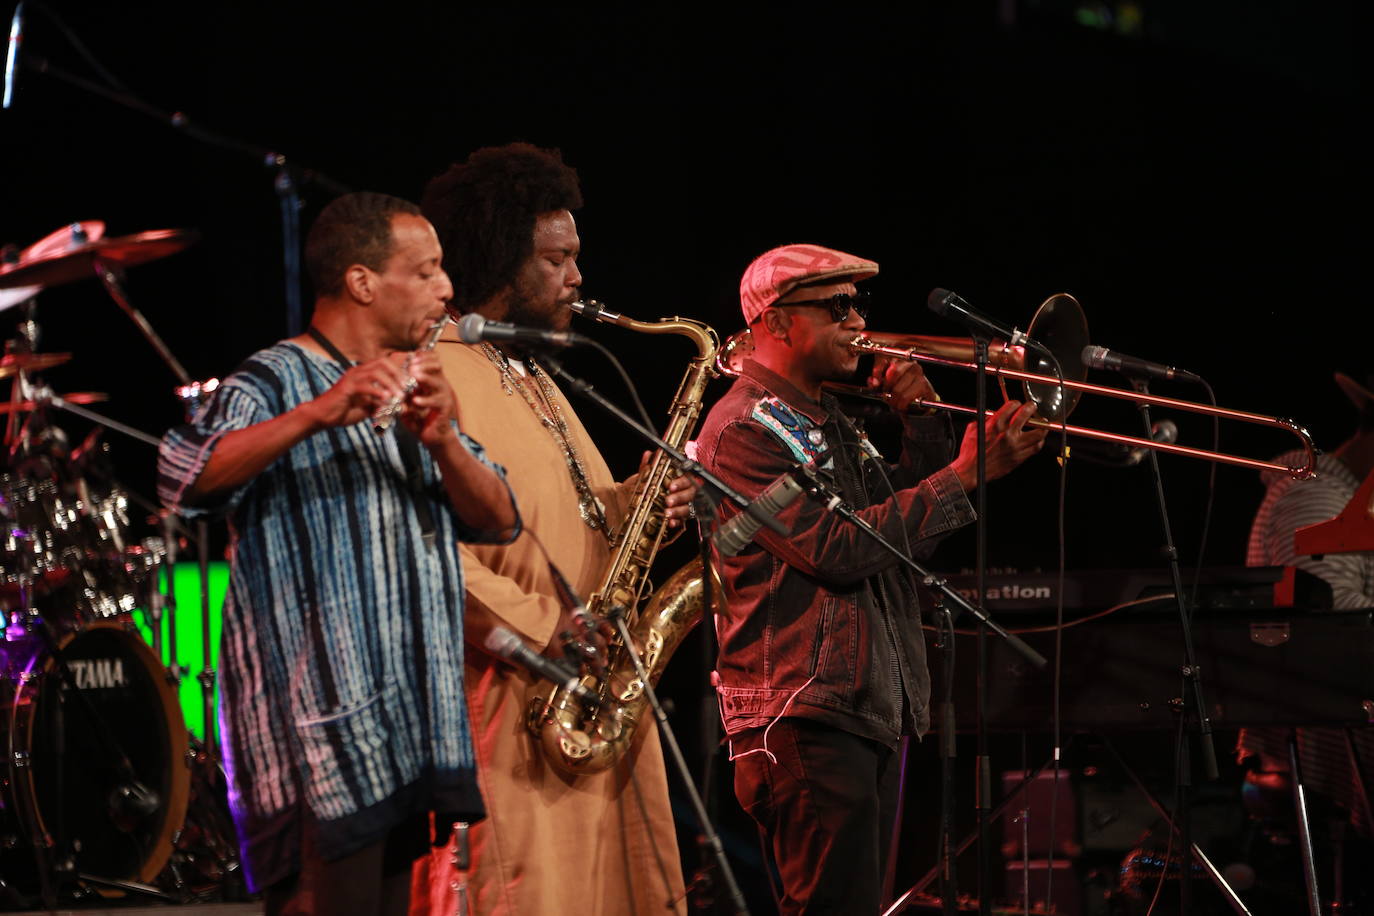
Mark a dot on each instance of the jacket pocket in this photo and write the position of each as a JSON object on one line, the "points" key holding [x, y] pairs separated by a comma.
{"points": [[834, 655]]}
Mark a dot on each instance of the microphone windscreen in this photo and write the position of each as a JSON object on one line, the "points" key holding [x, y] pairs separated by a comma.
{"points": [[470, 328], [1094, 357], [1165, 431], [938, 300], [502, 642]]}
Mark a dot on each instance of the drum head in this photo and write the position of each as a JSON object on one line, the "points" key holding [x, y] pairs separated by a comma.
{"points": [[68, 744]]}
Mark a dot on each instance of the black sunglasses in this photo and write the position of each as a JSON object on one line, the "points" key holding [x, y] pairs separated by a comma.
{"points": [[839, 304]]}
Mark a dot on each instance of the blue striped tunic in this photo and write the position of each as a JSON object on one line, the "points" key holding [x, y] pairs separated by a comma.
{"points": [[342, 647]]}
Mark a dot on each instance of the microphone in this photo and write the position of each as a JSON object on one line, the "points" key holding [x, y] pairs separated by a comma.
{"points": [[12, 57], [1132, 367], [950, 304], [1120, 456], [1165, 431], [734, 535], [512, 648], [473, 328], [133, 801]]}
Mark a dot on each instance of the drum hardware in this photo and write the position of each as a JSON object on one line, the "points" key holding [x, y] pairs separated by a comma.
{"points": [[77, 801], [72, 397], [107, 259], [106, 797], [14, 363], [17, 296], [82, 259], [100, 575], [52, 243]]}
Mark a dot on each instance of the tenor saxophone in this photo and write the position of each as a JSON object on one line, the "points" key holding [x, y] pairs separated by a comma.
{"points": [[576, 737]]}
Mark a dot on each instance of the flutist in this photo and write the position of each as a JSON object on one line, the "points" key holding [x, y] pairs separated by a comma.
{"points": [[343, 714]]}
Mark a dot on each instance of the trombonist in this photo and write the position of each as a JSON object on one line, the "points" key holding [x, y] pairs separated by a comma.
{"points": [[343, 714], [822, 665]]}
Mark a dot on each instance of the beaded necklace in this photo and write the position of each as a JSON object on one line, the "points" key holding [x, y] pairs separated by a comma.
{"points": [[543, 402]]}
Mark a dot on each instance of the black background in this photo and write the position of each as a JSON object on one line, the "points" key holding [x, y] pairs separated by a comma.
{"points": [[1197, 185]]}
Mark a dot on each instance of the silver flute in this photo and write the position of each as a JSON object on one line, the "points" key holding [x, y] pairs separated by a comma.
{"points": [[386, 414]]}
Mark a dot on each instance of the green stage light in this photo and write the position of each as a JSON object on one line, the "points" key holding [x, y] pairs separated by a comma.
{"points": [[186, 579]]}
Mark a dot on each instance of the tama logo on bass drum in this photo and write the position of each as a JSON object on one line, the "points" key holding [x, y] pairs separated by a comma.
{"points": [[97, 673]]}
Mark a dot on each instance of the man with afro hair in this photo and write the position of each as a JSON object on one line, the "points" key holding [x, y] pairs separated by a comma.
{"points": [[551, 843]]}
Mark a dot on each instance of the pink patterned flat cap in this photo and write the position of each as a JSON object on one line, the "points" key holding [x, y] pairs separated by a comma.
{"points": [[776, 273]]}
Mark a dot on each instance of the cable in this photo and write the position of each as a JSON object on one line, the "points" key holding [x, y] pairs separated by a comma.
{"points": [[629, 385], [1079, 621]]}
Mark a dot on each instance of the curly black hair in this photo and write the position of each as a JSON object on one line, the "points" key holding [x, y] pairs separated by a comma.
{"points": [[484, 211], [354, 229]]}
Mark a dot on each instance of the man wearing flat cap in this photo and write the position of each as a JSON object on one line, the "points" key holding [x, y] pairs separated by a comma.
{"points": [[822, 666]]}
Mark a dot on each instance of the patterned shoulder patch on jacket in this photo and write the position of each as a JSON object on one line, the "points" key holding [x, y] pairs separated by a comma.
{"points": [[803, 438]]}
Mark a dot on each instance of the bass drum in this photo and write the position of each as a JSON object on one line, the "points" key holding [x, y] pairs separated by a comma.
{"points": [[69, 799]]}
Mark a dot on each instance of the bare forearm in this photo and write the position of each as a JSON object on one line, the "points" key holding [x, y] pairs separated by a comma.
{"points": [[477, 493], [241, 455]]}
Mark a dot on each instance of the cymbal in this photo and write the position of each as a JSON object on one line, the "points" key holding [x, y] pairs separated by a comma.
{"points": [[75, 397], [17, 295], [14, 363], [54, 243], [60, 240], [78, 261]]}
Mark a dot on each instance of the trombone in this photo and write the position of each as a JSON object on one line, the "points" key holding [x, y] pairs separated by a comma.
{"points": [[1060, 326]]}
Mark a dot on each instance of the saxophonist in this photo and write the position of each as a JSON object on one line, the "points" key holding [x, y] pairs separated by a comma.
{"points": [[601, 843]]}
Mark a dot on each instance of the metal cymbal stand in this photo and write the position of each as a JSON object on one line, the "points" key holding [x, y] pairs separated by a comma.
{"points": [[287, 176]]}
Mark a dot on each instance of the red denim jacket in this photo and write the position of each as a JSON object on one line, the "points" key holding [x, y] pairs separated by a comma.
{"points": [[823, 622]]}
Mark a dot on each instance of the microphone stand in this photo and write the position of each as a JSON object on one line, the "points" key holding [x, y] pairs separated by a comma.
{"points": [[710, 836], [287, 177], [708, 716], [834, 501], [191, 394], [982, 776], [1192, 678]]}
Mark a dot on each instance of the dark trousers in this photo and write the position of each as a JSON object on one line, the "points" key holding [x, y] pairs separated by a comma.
{"points": [[374, 881], [825, 810]]}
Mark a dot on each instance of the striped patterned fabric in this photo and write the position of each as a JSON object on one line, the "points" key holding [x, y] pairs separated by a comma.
{"points": [[1332, 759], [342, 648], [1289, 505]]}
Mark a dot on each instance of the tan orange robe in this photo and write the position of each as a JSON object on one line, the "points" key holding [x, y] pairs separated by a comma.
{"points": [[601, 843]]}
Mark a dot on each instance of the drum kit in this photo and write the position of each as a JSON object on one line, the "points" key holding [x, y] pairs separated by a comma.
{"points": [[103, 793]]}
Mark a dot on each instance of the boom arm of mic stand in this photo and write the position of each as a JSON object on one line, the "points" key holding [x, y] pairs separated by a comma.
{"points": [[185, 125], [687, 465], [62, 404], [287, 180]]}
